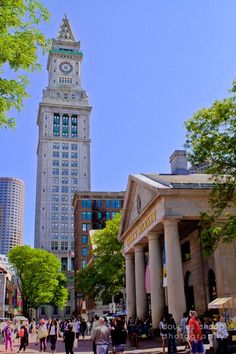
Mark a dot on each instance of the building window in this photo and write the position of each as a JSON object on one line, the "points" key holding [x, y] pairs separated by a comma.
{"points": [[64, 172], [84, 251], [86, 203], [56, 124], [54, 216], [55, 154], [43, 310], [64, 180], [74, 180], [116, 204], [65, 125], [56, 146], [74, 172], [55, 189], [64, 198], [84, 264], [108, 215], [55, 198], [64, 246], [55, 163], [54, 245], [72, 246], [65, 146], [74, 130], [74, 147], [55, 207], [64, 263], [85, 227], [55, 171], [64, 163], [74, 164], [65, 155], [67, 310], [74, 155], [113, 214], [86, 215], [64, 207], [84, 239], [65, 80], [55, 310], [55, 180], [64, 216], [185, 251], [64, 189]]}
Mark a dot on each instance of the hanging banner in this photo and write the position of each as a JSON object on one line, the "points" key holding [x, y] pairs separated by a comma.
{"points": [[164, 266]]}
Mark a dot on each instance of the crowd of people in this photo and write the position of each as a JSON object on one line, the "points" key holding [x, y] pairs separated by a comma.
{"points": [[192, 331], [45, 334]]}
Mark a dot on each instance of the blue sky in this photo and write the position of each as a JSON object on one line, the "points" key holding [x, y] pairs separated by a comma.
{"points": [[148, 66]]}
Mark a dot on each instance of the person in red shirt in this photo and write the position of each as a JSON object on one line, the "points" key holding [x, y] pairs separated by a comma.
{"points": [[195, 334]]}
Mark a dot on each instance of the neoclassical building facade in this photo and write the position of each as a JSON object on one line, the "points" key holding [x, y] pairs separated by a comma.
{"points": [[165, 266]]}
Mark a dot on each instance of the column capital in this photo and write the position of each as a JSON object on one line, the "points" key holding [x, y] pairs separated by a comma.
{"points": [[138, 248], [171, 221], [153, 235], [129, 256]]}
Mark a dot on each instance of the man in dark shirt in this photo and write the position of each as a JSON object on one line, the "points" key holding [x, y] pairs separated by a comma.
{"points": [[69, 337]]}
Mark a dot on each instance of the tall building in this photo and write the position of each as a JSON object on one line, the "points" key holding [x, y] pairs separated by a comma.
{"points": [[63, 153], [92, 210], [64, 145], [11, 213]]}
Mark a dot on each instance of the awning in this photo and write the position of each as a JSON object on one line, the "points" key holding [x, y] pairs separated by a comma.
{"points": [[223, 303]]}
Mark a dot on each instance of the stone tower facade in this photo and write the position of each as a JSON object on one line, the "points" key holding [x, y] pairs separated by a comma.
{"points": [[63, 153]]}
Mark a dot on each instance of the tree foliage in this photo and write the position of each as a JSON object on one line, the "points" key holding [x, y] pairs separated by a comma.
{"points": [[20, 39], [104, 275], [39, 277], [211, 139]]}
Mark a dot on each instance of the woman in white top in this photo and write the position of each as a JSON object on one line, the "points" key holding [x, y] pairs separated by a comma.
{"points": [[52, 333], [221, 336]]}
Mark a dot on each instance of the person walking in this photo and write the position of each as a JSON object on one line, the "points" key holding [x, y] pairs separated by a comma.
{"points": [[83, 328], [52, 334], [195, 334], [42, 335], [7, 332], [100, 335], [171, 334], [221, 336], [163, 333], [24, 338], [69, 338], [94, 325], [118, 337]]}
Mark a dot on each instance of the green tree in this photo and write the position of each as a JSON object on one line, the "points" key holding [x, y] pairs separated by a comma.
{"points": [[39, 277], [104, 276], [211, 139], [20, 40]]}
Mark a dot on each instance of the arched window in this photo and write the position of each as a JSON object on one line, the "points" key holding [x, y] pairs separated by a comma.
{"points": [[212, 285]]}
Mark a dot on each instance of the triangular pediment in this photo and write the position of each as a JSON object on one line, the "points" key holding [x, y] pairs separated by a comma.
{"points": [[138, 196], [65, 32]]}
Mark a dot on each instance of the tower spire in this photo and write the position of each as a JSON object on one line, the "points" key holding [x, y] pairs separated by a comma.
{"points": [[65, 32]]}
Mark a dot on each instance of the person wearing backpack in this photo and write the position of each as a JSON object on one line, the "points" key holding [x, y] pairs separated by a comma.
{"points": [[8, 335], [24, 338]]}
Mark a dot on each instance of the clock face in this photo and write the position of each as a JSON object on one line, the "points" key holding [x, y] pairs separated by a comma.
{"points": [[66, 67]]}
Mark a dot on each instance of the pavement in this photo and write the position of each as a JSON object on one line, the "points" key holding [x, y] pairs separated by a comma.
{"points": [[85, 347]]}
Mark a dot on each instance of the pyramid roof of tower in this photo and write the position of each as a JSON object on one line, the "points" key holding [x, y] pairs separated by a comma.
{"points": [[65, 32]]}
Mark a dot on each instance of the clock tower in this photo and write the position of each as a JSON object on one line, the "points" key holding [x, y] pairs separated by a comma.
{"points": [[63, 153]]}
